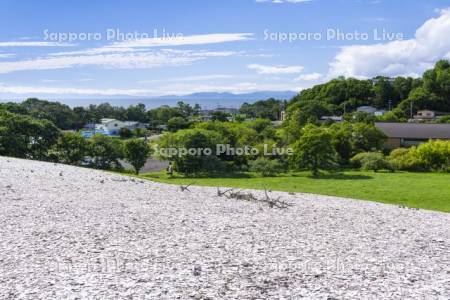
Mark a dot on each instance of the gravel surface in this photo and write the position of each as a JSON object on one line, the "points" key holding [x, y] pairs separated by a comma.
{"points": [[73, 233]]}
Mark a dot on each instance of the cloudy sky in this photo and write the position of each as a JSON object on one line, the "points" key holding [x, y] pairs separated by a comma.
{"points": [[151, 48]]}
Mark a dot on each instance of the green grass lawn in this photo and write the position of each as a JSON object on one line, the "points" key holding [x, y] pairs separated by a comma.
{"points": [[420, 190]]}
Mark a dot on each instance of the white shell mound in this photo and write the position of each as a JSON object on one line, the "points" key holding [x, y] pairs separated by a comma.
{"points": [[75, 233]]}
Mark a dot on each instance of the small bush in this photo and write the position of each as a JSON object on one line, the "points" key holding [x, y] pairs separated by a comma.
{"points": [[356, 161], [406, 160], [435, 155], [371, 161], [431, 156], [266, 167]]}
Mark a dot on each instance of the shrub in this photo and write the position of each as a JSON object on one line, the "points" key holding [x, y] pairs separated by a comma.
{"points": [[435, 155], [140, 132], [266, 167], [444, 119], [406, 160], [371, 161], [125, 133]]}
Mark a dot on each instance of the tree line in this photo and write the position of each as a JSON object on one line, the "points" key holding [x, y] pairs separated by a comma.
{"points": [[23, 136], [399, 95], [31, 129]]}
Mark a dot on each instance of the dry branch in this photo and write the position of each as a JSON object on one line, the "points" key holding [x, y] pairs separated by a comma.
{"points": [[185, 188], [239, 195]]}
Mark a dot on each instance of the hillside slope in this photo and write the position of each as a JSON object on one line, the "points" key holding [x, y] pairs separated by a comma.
{"points": [[73, 233]]}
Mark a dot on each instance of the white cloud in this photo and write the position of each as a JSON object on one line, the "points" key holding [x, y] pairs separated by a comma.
{"points": [[62, 80], [191, 78], [127, 54], [412, 56], [32, 90], [164, 57], [185, 40], [309, 77], [142, 44], [34, 44], [6, 55], [275, 70]]}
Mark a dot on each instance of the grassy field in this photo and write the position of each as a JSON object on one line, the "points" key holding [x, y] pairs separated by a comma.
{"points": [[420, 190]]}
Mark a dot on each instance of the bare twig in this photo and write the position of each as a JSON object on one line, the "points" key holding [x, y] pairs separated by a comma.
{"points": [[185, 188], [221, 194], [239, 195]]}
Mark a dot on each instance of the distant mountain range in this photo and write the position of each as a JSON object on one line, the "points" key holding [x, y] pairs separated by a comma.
{"points": [[206, 100]]}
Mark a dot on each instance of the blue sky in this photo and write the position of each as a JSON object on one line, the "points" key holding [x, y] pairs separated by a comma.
{"points": [[221, 46]]}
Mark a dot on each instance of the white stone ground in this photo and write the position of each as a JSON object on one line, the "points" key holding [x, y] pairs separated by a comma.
{"points": [[72, 233]]}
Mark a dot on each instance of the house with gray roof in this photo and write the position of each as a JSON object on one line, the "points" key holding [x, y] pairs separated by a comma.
{"points": [[410, 134]]}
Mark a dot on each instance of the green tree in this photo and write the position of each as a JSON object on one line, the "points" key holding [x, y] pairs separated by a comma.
{"points": [[59, 114], [266, 109], [125, 133], [403, 87], [136, 113], [314, 150], [26, 137], [161, 115], [105, 152], [220, 116], [140, 132], [384, 92], [186, 110], [342, 141], [106, 110], [367, 137], [71, 148], [199, 161], [177, 123], [136, 153]]}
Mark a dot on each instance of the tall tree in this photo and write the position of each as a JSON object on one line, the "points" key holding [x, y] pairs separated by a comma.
{"points": [[136, 153], [314, 151], [71, 148]]}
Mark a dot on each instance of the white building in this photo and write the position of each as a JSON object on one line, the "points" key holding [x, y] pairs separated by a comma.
{"points": [[113, 126]]}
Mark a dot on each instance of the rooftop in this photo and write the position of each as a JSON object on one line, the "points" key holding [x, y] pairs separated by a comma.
{"points": [[415, 130]]}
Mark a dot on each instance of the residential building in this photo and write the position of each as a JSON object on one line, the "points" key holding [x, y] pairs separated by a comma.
{"points": [[424, 116], [367, 109], [371, 110], [332, 118], [113, 126], [410, 134]]}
